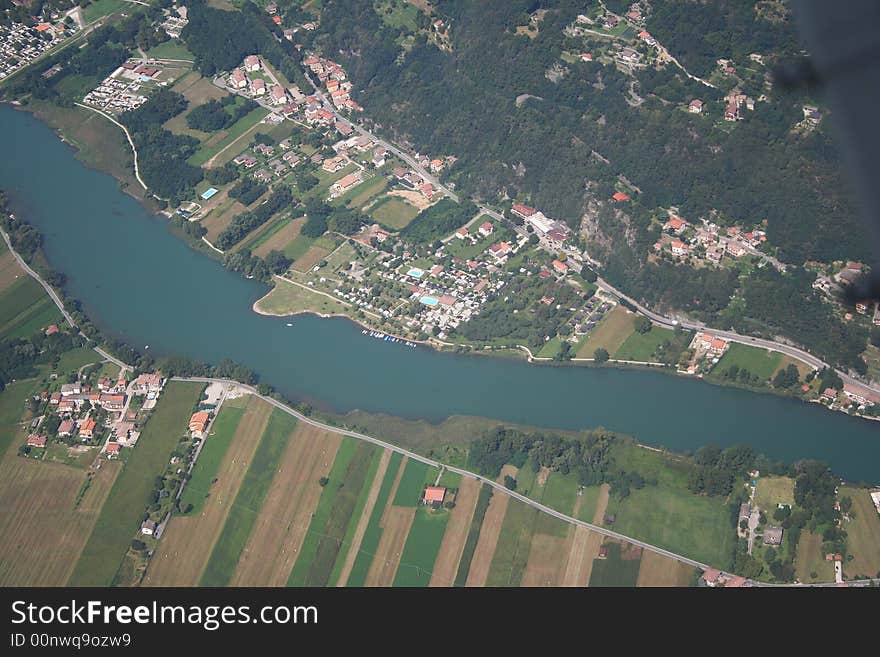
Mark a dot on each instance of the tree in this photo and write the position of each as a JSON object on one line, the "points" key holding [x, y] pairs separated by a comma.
{"points": [[642, 324], [509, 482], [601, 355], [846, 504], [277, 262], [787, 377]]}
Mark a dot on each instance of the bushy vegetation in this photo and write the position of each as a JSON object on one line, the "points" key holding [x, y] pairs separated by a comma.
{"points": [[245, 222], [438, 221], [219, 114]]}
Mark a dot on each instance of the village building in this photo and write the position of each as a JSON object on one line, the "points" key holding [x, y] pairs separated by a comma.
{"points": [[773, 535], [251, 63], [695, 106], [35, 440], [434, 495]]}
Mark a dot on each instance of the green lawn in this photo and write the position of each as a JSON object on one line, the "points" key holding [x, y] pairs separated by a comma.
{"points": [[249, 500], [198, 488], [759, 362], [641, 346], [421, 548], [100, 8], [73, 360], [130, 495], [370, 540], [171, 49], [772, 491], [394, 213], [298, 247], [614, 571], [470, 544], [12, 400], [330, 523]]}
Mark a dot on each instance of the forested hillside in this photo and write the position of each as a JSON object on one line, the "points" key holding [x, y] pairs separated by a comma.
{"points": [[525, 121]]}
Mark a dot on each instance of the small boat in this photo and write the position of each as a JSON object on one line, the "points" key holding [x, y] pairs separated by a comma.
{"points": [[289, 324], [146, 346]]}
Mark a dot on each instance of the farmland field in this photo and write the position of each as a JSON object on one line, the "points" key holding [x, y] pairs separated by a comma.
{"points": [[489, 532], [249, 500], [42, 533], [394, 213], [25, 308], [610, 333], [641, 346], [280, 238], [422, 547], [458, 531], [473, 535], [370, 541], [657, 570], [863, 542], [409, 491], [514, 544], [810, 564], [759, 362], [122, 513], [198, 488], [335, 511], [276, 540], [619, 568], [310, 258], [188, 540]]}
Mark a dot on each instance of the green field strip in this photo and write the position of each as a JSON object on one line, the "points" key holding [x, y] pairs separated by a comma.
{"points": [[412, 483], [198, 488], [470, 544], [422, 547], [335, 481], [355, 517], [370, 541], [514, 545], [249, 500]]}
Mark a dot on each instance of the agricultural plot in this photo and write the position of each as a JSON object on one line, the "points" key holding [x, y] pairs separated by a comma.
{"points": [[279, 239], [280, 529], [643, 346], [237, 136], [321, 547], [394, 213], [205, 472], [514, 545], [25, 308], [9, 269], [180, 558], [473, 535], [248, 501], [458, 530], [42, 528], [810, 564], [609, 334], [369, 544], [310, 258], [489, 532], [422, 547], [220, 217], [122, 513], [620, 567], [351, 542], [657, 570], [759, 362], [585, 543], [412, 483], [863, 540]]}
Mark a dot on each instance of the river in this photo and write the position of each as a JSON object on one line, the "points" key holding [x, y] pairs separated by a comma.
{"points": [[139, 282]]}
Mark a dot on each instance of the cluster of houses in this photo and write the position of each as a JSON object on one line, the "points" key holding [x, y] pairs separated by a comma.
{"points": [[21, 44], [334, 79], [274, 166], [849, 398], [123, 89], [717, 579], [707, 242], [708, 350], [75, 405], [175, 19], [286, 101]]}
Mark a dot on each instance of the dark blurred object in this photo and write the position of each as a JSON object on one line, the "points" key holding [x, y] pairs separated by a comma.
{"points": [[844, 41], [793, 75]]}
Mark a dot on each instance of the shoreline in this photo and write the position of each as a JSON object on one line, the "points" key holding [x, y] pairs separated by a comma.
{"points": [[518, 352]]}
